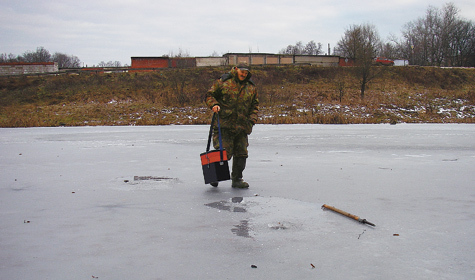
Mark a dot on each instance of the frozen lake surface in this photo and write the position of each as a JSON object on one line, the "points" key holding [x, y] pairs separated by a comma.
{"points": [[130, 203]]}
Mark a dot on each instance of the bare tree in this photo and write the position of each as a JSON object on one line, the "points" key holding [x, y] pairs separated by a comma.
{"points": [[311, 48], [41, 55], [287, 50], [180, 53], [295, 50], [457, 36], [441, 38], [391, 48], [109, 64], [362, 44], [463, 45], [66, 61], [8, 57]]}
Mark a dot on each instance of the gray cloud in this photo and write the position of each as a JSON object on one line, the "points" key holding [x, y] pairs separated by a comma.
{"points": [[116, 30]]}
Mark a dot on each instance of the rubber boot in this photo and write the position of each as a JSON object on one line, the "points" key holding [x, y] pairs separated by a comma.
{"points": [[239, 164]]}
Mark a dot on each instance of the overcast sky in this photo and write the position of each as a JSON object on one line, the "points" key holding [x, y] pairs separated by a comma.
{"points": [[115, 30]]}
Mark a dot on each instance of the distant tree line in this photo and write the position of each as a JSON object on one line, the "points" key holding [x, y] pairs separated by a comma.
{"points": [[311, 48], [440, 38], [110, 64], [43, 55]]}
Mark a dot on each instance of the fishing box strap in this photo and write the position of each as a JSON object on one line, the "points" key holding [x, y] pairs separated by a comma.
{"points": [[215, 116]]}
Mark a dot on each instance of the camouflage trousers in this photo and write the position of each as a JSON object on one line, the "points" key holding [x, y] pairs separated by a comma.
{"points": [[235, 144]]}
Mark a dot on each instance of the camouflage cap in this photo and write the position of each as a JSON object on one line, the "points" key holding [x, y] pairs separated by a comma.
{"points": [[243, 66]]}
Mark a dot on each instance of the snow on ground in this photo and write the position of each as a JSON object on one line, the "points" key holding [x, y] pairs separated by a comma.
{"points": [[130, 203]]}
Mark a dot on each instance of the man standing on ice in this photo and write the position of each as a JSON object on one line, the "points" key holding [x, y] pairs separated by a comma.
{"points": [[234, 98]]}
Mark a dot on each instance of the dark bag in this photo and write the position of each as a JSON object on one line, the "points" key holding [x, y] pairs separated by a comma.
{"points": [[215, 163]]}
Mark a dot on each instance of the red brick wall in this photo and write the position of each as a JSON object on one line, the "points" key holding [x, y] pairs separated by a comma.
{"points": [[149, 62]]}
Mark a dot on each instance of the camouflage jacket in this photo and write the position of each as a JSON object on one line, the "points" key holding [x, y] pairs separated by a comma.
{"points": [[238, 102]]}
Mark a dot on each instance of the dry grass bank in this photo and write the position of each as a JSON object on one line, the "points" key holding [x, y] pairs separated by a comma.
{"points": [[288, 95]]}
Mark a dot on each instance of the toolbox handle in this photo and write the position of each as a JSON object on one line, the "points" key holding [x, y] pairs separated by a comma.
{"points": [[215, 116]]}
